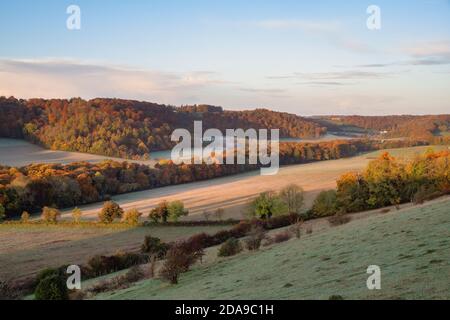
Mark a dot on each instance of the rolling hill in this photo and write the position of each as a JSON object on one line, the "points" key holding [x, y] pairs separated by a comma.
{"points": [[411, 247]]}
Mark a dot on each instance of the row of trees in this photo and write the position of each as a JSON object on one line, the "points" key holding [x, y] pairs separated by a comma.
{"points": [[111, 211], [35, 186]]}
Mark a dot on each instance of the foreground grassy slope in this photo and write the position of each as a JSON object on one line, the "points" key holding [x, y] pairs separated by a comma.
{"points": [[412, 247]]}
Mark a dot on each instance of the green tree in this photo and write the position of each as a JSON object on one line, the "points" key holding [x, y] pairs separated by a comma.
{"points": [[176, 210], [267, 205]]}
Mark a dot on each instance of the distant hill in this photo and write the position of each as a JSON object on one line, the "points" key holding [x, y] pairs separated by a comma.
{"points": [[128, 128], [395, 126], [134, 129]]}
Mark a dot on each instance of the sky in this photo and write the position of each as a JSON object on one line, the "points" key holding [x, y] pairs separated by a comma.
{"points": [[303, 57]]}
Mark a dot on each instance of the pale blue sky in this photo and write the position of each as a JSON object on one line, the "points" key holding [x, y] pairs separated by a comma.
{"points": [[305, 57]]}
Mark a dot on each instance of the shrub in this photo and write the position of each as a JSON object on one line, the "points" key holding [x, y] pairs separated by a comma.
{"points": [[25, 217], [231, 247], [293, 197], [385, 210], [109, 212], [339, 219], [176, 210], [154, 246], [52, 287], [100, 265], [282, 237], [131, 217], [45, 274], [50, 215], [325, 204], [281, 221], [256, 235], [76, 215], [178, 260]]}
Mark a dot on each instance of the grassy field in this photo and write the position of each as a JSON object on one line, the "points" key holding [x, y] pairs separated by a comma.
{"points": [[411, 246], [24, 251], [18, 153]]}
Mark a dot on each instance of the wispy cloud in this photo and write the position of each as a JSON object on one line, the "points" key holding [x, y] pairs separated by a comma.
{"points": [[338, 78], [421, 54], [68, 78]]}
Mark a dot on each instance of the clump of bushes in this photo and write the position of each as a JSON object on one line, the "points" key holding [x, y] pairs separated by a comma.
{"points": [[230, 247], [101, 265], [254, 239], [154, 247], [325, 204], [51, 285], [110, 212], [50, 215]]}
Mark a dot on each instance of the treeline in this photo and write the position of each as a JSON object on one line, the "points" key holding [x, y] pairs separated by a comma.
{"points": [[417, 127], [127, 128], [387, 181], [35, 186]]}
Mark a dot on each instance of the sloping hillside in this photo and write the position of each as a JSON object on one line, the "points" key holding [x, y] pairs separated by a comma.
{"points": [[128, 128], [412, 248]]}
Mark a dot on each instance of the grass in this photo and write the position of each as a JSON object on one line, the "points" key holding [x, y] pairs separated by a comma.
{"points": [[411, 247], [25, 250]]}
